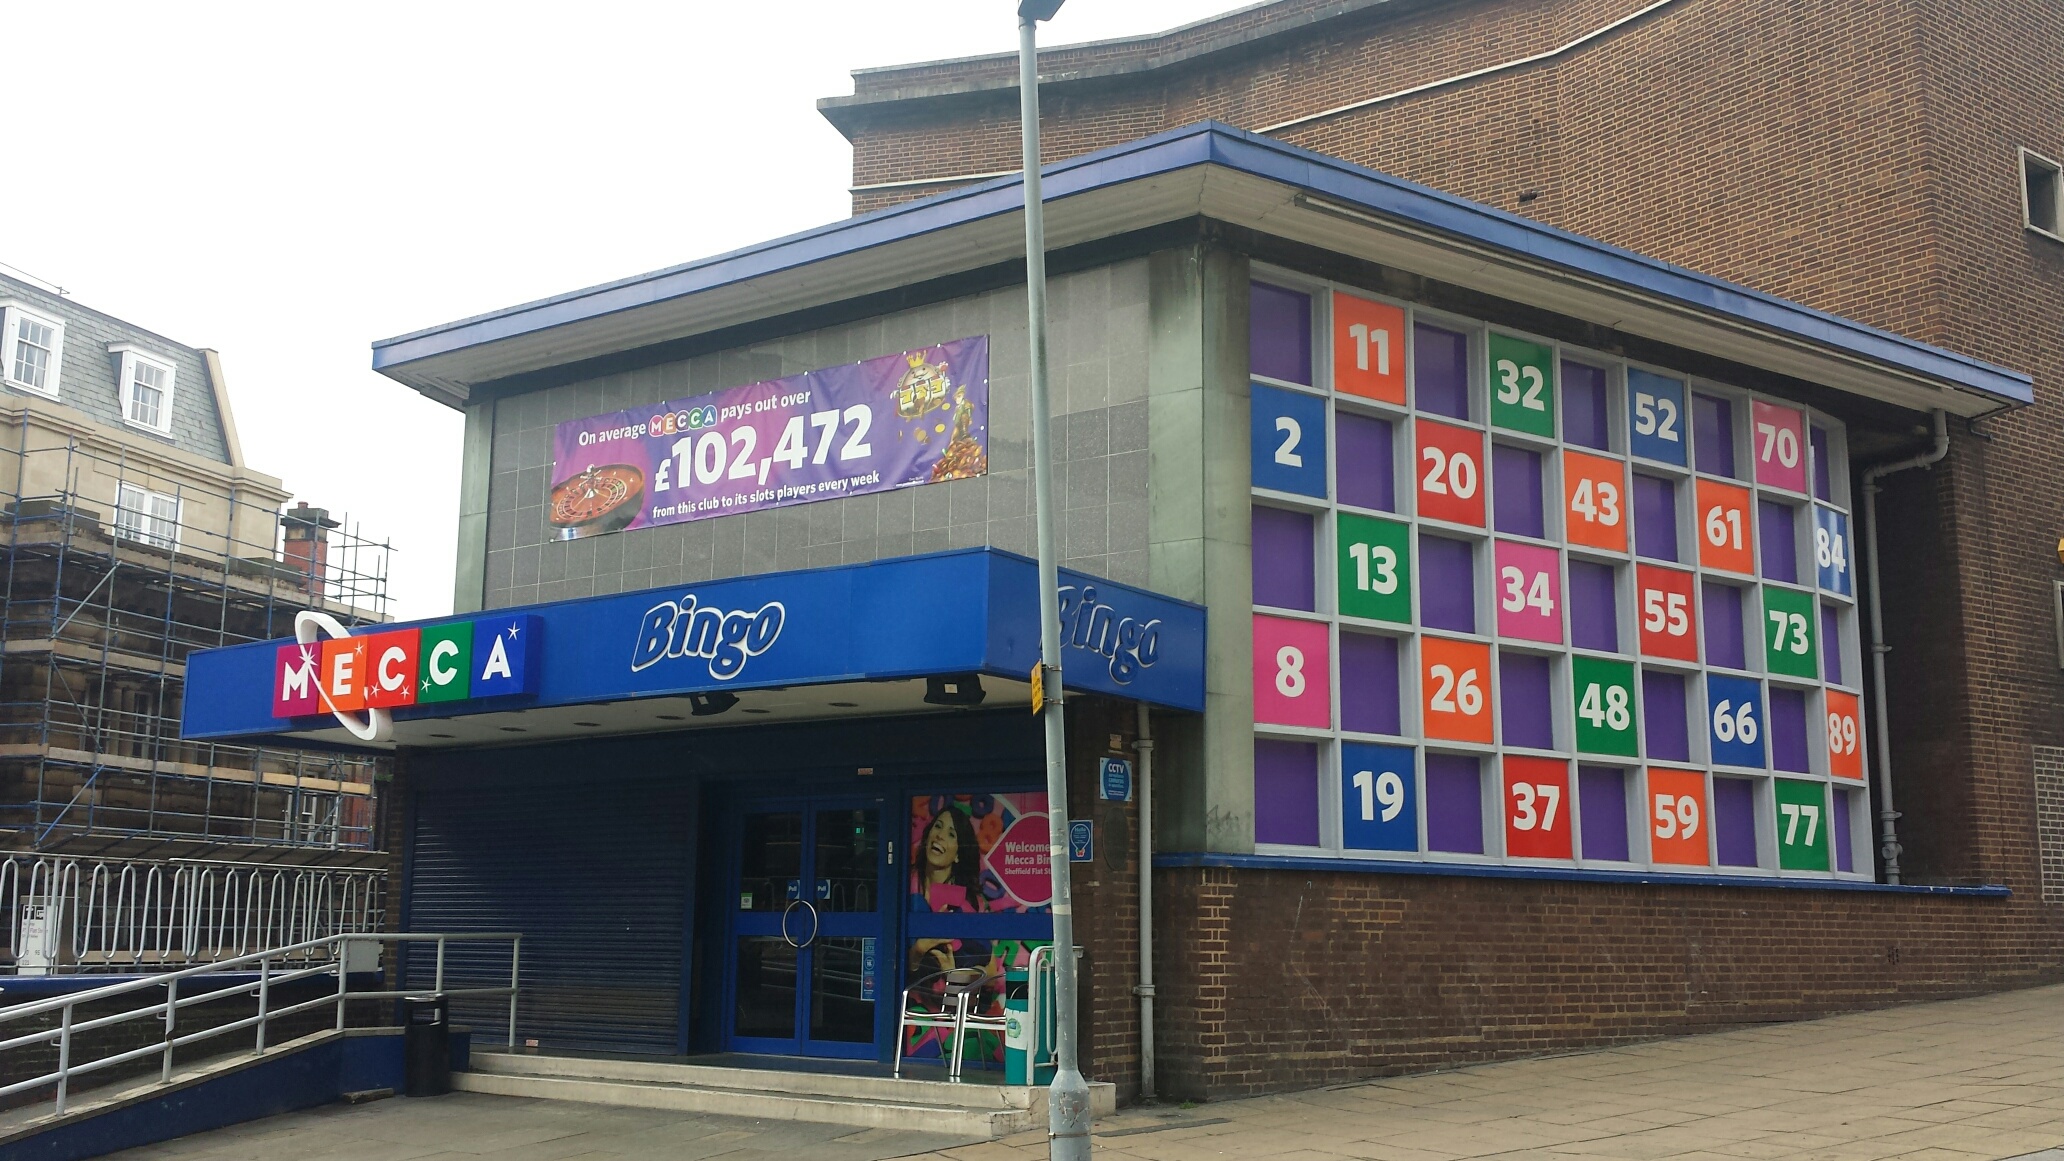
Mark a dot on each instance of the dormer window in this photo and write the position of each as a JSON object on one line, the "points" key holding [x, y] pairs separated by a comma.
{"points": [[31, 348], [146, 389]]}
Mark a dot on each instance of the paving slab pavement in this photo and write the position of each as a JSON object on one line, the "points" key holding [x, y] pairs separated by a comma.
{"points": [[1963, 1080]]}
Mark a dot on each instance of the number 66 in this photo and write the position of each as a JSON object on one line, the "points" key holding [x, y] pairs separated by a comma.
{"points": [[1738, 724]]}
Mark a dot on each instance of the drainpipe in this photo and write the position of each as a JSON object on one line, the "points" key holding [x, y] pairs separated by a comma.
{"points": [[1888, 818], [1145, 990]]}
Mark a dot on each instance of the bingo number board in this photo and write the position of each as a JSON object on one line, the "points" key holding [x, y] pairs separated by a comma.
{"points": [[1521, 603]]}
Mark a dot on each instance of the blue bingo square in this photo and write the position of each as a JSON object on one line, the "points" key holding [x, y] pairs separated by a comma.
{"points": [[1289, 441], [1656, 419], [1378, 808], [1734, 720], [1831, 550]]}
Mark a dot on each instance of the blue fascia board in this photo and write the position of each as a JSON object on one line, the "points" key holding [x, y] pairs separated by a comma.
{"points": [[1211, 143], [1325, 863], [971, 610]]}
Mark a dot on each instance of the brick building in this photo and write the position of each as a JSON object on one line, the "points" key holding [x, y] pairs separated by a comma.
{"points": [[1868, 159], [1492, 565], [132, 533]]}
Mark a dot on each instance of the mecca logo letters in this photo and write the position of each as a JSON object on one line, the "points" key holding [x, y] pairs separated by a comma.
{"points": [[360, 678]]}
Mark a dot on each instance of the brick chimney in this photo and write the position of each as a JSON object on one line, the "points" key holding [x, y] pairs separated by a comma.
{"points": [[308, 544]]}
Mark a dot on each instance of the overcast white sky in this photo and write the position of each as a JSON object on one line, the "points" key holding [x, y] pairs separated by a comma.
{"points": [[288, 182]]}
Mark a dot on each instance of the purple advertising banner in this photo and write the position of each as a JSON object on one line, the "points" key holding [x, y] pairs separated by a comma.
{"points": [[921, 417]]}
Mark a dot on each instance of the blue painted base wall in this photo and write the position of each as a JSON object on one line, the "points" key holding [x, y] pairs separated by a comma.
{"points": [[313, 1076]]}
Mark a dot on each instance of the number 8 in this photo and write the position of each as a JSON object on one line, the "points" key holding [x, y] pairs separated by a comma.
{"points": [[1290, 671]]}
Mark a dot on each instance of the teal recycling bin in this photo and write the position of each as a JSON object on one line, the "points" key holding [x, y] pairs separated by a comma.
{"points": [[1020, 1039]]}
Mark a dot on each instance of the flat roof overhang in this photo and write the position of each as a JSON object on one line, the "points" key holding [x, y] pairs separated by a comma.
{"points": [[1218, 172], [858, 640]]}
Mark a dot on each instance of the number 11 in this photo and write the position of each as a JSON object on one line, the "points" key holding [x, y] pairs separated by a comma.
{"points": [[1361, 334]]}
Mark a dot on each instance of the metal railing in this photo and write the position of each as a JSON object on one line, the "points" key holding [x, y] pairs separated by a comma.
{"points": [[112, 914], [338, 963]]}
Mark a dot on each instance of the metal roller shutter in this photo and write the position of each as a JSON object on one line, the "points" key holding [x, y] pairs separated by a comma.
{"points": [[596, 881]]}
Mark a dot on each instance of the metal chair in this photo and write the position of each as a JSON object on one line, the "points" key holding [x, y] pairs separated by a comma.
{"points": [[961, 989]]}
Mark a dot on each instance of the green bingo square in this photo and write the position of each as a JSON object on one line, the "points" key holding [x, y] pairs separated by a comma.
{"points": [[1802, 824], [1605, 706], [1522, 386], [1375, 568], [1788, 632]]}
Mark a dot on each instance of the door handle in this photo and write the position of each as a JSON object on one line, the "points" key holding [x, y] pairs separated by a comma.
{"points": [[814, 924]]}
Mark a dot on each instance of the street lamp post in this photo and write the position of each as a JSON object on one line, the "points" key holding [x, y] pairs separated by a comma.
{"points": [[1067, 1102]]}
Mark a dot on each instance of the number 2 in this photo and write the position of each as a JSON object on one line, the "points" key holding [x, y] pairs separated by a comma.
{"points": [[1286, 454]]}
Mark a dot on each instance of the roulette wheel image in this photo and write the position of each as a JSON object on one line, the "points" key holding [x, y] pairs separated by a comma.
{"points": [[597, 501]]}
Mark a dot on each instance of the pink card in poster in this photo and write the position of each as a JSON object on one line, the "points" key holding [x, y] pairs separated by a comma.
{"points": [[1292, 673], [1779, 443]]}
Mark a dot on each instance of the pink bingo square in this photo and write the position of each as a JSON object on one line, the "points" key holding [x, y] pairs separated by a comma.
{"points": [[1529, 592], [294, 681], [1292, 673], [1778, 441]]}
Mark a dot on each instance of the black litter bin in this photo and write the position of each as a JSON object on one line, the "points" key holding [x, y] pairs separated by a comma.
{"points": [[426, 1045]]}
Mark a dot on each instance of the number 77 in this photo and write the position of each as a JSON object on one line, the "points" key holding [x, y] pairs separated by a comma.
{"points": [[1792, 812]]}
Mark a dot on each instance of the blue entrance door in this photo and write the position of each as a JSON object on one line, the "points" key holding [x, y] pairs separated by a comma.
{"points": [[807, 962]]}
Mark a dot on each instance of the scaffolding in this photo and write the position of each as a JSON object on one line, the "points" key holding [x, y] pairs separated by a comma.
{"points": [[113, 574]]}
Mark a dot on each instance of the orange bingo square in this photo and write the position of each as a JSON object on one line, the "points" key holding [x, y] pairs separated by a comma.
{"points": [[1844, 735], [1677, 818], [1726, 534], [1368, 349], [1594, 491], [1455, 689]]}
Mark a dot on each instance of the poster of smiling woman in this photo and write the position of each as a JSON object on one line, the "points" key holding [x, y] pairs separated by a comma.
{"points": [[973, 854]]}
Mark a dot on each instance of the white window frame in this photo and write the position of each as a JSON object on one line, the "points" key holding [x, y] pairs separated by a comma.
{"points": [[145, 528], [12, 314], [132, 356], [2027, 157]]}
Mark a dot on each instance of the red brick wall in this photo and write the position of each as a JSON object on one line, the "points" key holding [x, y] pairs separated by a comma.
{"points": [[1106, 895], [1276, 979]]}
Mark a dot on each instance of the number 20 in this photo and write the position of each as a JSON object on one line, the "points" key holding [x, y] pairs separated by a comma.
{"points": [[1448, 474]]}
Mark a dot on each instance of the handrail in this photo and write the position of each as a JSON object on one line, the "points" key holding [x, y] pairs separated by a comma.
{"points": [[116, 913], [167, 1009]]}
